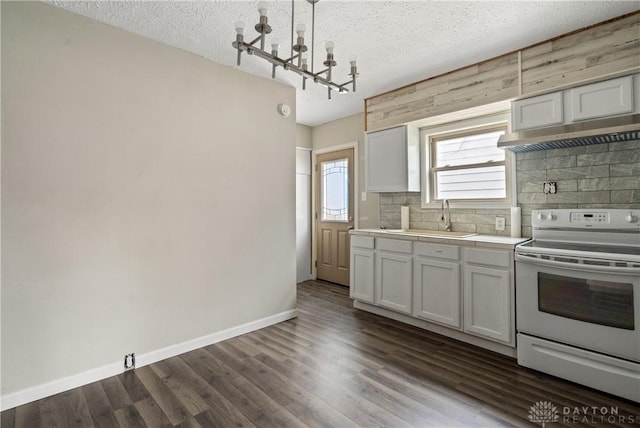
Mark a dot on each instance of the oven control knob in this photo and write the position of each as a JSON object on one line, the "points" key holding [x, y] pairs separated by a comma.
{"points": [[631, 218], [541, 216], [552, 217]]}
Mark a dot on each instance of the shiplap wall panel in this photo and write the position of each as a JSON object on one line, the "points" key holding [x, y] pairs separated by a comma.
{"points": [[595, 52], [479, 84], [586, 55]]}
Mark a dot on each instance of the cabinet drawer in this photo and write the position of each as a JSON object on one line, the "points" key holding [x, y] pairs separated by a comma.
{"points": [[489, 257], [395, 245], [362, 241], [450, 252]]}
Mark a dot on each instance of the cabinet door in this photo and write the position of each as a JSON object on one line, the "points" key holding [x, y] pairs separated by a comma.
{"points": [[487, 302], [393, 281], [602, 99], [436, 291], [537, 112], [362, 275], [386, 160]]}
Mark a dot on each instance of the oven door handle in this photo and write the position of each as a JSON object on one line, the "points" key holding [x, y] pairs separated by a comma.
{"points": [[533, 259]]}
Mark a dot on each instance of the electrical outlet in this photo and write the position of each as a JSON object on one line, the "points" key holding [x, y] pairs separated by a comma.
{"points": [[363, 196], [500, 223], [130, 361], [550, 187]]}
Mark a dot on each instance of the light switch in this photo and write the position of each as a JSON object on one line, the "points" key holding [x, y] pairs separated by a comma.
{"points": [[363, 196]]}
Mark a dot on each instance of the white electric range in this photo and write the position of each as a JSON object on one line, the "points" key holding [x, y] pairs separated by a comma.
{"points": [[578, 298]]}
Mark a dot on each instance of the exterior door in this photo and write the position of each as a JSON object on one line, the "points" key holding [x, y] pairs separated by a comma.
{"points": [[334, 216]]}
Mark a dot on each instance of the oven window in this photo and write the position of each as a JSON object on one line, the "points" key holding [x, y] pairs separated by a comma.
{"points": [[599, 302]]}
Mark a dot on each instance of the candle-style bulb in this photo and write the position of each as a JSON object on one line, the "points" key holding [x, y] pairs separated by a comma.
{"points": [[240, 27], [352, 60], [300, 29], [263, 8], [275, 43], [329, 47]]}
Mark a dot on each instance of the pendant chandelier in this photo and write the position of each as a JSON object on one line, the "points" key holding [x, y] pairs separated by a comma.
{"points": [[297, 61]]}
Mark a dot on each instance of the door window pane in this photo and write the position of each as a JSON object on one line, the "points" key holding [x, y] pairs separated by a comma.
{"points": [[334, 183], [598, 302]]}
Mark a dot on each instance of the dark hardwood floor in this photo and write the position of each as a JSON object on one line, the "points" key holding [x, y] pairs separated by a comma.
{"points": [[332, 366]]}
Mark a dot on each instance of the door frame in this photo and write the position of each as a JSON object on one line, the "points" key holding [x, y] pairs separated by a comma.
{"points": [[356, 197]]}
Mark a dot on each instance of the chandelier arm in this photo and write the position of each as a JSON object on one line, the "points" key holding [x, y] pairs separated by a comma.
{"points": [[320, 72], [259, 38], [292, 58]]}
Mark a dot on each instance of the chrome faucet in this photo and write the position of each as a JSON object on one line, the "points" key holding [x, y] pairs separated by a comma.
{"points": [[446, 219]]}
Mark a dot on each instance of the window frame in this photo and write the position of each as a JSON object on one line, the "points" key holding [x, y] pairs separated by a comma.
{"points": [[472, 125]]}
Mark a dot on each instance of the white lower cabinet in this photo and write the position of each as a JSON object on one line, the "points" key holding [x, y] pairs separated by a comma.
{"points": [[436, 284], [468, 289], [488, 294], [393, 274], [362, 269]]}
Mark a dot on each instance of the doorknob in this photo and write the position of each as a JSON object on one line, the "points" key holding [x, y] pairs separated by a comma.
{"points": [[350, 228]]}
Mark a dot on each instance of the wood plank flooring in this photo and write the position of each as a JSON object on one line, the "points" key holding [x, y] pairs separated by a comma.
{"points": [[332, 366]]}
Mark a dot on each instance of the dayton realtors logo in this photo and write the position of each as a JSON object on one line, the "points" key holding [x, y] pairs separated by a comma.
{"points": [[544, 412]]}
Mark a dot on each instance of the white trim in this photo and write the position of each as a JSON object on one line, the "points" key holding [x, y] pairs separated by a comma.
{"points": [[495, 118], [335, 148], [38, 392], [356, 192]]}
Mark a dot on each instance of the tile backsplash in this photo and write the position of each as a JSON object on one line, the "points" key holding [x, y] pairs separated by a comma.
{"points": [[597, 176]]}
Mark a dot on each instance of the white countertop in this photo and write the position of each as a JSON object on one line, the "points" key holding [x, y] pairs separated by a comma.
{"points": [[480, 240]]}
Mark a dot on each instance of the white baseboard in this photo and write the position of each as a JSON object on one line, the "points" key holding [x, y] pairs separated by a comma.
{"points": [[38, 392], [507, 350]]}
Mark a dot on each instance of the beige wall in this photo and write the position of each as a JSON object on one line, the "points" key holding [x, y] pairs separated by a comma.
{"points": [[130, 216], [348, 130], [303, 136]]}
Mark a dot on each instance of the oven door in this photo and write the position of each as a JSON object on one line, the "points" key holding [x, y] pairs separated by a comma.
{"points": [[589, 306]]}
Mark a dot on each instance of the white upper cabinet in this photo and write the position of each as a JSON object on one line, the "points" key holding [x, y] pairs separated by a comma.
{"points": [[608, 98], [392, 160], [613, 97], [537, 112]]}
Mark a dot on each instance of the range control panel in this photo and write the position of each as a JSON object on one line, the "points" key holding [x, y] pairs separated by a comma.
{"points": [[586, 219], [590, 217]]}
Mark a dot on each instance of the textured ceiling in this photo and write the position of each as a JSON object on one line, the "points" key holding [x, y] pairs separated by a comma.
{"points": [[396, 42]]}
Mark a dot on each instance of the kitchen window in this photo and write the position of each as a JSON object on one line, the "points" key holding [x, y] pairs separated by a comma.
{"points": [[463, 164]]}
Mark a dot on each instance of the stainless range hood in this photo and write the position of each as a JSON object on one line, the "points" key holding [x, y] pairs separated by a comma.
{"points": [[610, 130]]}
